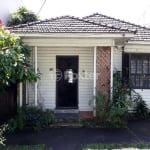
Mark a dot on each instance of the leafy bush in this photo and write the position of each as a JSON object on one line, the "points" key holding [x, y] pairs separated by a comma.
{"points": [[18, 122], [115, 112], [36, 118], [22, 16], [121, 92], [118, 108], [2, 130], [101, 107], [117, 115], [32, 117], [141, 108], [89, 123], [15, 64]]}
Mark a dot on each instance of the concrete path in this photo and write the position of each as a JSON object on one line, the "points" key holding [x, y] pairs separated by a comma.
{"points": [[76, 138]]}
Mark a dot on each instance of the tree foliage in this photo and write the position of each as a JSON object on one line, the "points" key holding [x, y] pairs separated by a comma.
{"points": [[22, 16], [2, 130], [15, 65]]}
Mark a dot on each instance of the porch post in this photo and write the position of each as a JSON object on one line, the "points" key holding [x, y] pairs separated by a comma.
{"points": [[94, 83], [35, 66], [20, 94], [111, 72], [26, 92]]}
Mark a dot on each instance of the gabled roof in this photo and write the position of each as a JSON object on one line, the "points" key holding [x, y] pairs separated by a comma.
{"points": [[142, 33], [67, 24]]}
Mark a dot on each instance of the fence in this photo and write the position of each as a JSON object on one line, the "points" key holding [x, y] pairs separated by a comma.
{"points": [[8, 103]]}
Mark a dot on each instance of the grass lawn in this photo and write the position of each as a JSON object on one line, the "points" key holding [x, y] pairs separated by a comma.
{"points": [[24, 147], [137, 146]]}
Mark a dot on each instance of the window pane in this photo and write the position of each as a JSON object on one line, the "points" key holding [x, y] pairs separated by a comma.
{"points": [[139, 66], [133, 65], [133, 83], [146, 81], [137, 81], [145, 65], [141, 81]]}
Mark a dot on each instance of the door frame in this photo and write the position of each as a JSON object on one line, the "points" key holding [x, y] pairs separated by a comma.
{"points": [[56, 99]]}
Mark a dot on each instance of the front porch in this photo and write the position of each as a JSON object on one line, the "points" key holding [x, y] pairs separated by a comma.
{"points": [[94, 68], [94, 74]]}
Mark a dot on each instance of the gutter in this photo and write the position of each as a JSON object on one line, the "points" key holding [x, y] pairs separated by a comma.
{"points": [[76, 35]]}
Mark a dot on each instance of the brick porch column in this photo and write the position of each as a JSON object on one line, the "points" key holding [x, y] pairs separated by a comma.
{"points": [[103, 70]]}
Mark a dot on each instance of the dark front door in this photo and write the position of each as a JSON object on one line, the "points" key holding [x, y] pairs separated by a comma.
{"points": [[67, 82]]}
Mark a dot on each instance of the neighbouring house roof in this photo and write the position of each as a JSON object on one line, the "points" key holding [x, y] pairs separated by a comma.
{"points": [[67, 24], [142, 33]]}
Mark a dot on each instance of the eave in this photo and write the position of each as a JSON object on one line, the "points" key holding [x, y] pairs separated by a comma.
{"points": [[76, 35], [146, 42]]}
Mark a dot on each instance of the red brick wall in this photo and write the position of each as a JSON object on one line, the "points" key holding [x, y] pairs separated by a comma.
{"points": [[86, 114], [103, 68]]}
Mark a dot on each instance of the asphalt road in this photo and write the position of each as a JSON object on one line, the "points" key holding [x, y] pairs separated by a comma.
{"points": [[76, 138]]}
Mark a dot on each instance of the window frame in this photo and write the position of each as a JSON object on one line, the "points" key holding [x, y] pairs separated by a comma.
{"points": [[141, 75]]}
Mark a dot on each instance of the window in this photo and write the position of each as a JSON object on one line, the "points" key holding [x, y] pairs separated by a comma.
{"points": [[139, 71]]}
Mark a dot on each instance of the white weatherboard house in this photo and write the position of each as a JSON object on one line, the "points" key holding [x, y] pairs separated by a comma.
{"points": [[77, 57]]}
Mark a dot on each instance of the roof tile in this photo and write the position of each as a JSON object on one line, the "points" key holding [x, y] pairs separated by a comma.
{"points": [[96, 23], [67, 24], [142, 33]]}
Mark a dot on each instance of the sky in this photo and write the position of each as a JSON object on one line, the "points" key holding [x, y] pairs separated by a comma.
{"points": [[135, 11]]}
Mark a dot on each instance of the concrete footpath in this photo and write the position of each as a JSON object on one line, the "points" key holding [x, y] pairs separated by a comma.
{"points": [[76, 138]]}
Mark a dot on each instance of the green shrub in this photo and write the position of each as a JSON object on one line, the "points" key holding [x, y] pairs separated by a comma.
{"points": [[22, 16], [33, 117], [141, 108], [115, 112], [12, 125], [15, 64], [37, 118], [118, 107], [89, 123], [117, 116], [2, 130], [101, 107], [18, 122], [21, 119]]}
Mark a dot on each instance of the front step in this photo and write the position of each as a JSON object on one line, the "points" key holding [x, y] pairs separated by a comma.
{"points": [[64, 124], [67, 114], [70, 116], [66, 118], [71, 111]]}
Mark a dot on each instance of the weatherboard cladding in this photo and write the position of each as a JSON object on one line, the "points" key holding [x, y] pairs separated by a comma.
{"points": [[67, 24], [142, 33]]}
